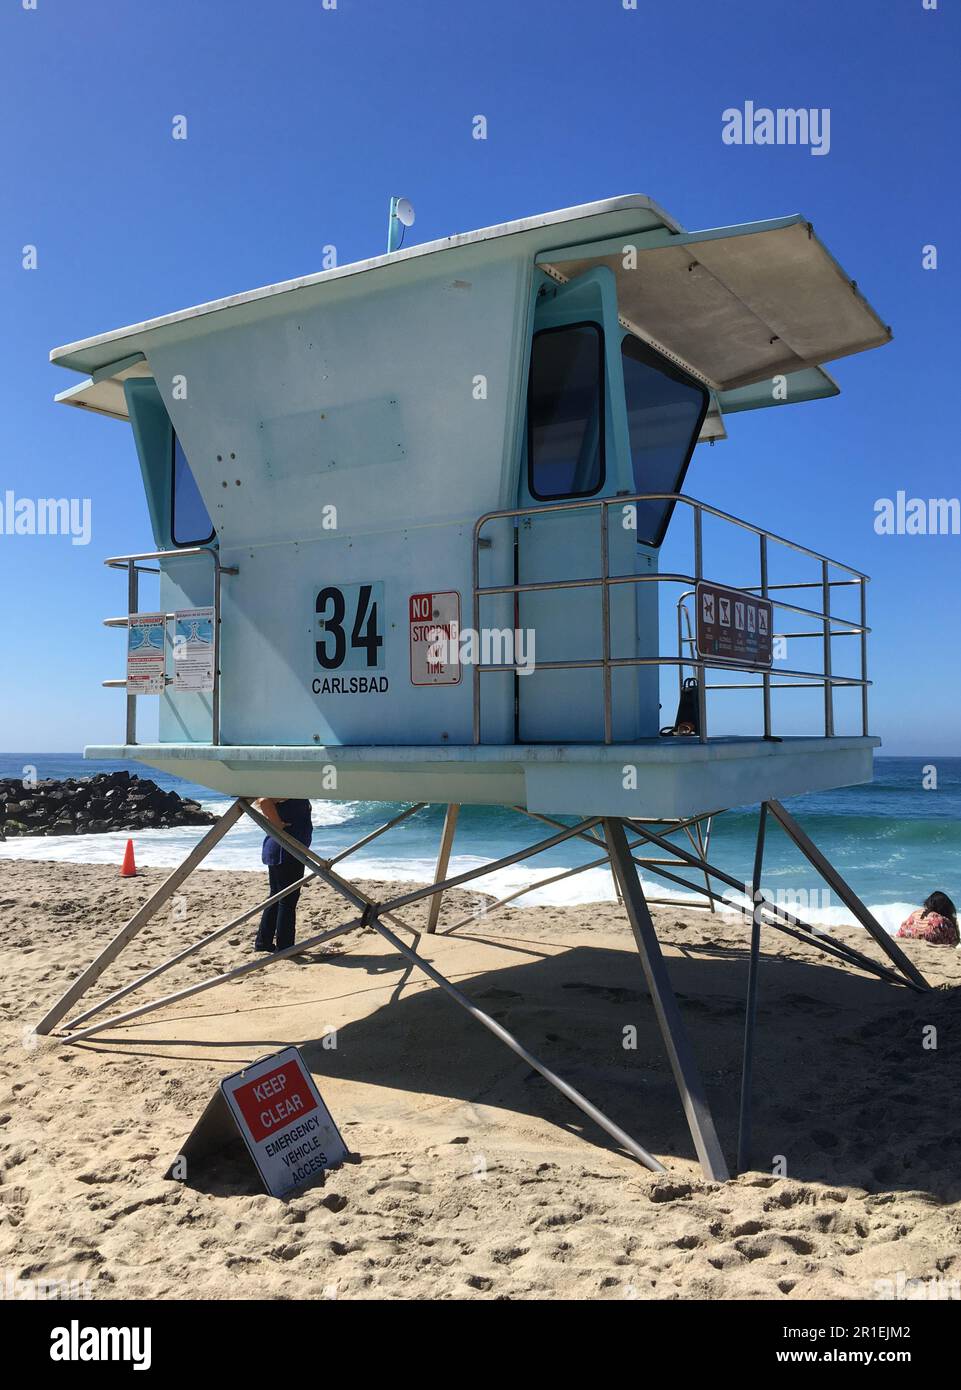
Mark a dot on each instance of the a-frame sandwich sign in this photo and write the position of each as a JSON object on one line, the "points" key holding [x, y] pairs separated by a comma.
{"points": [[275, 1108]]}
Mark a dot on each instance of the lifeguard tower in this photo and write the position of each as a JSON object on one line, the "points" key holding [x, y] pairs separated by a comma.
{"points": [[409, 517]]}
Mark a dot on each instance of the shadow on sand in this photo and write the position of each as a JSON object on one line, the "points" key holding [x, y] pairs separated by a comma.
{"points": [[844, 1089]]}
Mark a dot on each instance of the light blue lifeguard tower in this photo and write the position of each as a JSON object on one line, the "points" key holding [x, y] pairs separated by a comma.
{"points": [[416, 509]]}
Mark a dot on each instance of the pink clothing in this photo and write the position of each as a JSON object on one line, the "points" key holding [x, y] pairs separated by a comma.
{"points": [[938, 930]]}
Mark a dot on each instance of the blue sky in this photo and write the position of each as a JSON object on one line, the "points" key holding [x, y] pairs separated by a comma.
{"points": [[303, 121]]}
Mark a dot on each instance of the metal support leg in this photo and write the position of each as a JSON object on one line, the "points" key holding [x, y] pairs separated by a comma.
{"points": [[703, 840], [778, 913], [847, 895], [375, 834], [697, 844], [261, 963], [443, 859], [559, 1084], [505, 863], [679, 1051], [545, 882], [182, 955], [618, 895], [318, 867], [750, 1012], [141, 917]]}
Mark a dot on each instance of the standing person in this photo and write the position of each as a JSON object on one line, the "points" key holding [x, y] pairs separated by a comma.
{"points": [[279, 920], [935, 921]]}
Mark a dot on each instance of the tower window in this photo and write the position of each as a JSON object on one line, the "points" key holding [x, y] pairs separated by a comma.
{"points": [[565, 412]]}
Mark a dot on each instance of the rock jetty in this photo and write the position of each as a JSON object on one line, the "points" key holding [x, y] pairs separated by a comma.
{"points": [[93, 805]]}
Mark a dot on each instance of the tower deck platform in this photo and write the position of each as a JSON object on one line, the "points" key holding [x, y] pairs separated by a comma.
{"points": [[655, 778]]}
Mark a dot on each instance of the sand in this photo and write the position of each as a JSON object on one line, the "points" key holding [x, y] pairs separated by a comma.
{"points": [[476, 1179]]}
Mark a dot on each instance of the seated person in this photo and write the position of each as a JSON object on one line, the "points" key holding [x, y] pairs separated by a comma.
{"points": [[936, 922]]}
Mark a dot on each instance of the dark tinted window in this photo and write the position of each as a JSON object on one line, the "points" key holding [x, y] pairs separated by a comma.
{"points": [[565, 412], [665, 409], [190, 520]]}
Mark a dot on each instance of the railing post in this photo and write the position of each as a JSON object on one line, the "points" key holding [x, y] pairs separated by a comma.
{"points": [[606, 623], [133, 600], [475, 620], [516, 573], [680, 649], [766, 678], [698, 576], [215, 693], [828, 684], [864, 656]]}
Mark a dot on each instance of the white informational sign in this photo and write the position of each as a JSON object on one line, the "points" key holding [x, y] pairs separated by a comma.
{"points": [[434, 639], [146, 657], [283, 1120], [194, 649]]}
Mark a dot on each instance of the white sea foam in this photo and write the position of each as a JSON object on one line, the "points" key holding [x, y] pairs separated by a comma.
{"points": [[888, 915], [164, 849], [155, 849], [322, 812], [240, 850]]}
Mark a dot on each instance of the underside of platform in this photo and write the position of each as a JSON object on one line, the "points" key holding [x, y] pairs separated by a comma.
{"points": [[653, 778]]}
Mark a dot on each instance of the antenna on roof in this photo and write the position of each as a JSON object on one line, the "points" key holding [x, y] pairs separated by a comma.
{"points": [[401, 215]]}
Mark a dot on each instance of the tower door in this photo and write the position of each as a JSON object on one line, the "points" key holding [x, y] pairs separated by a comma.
{"points": [[574, 450]]}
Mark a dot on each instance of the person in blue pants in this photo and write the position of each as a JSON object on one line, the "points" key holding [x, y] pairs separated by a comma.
{"points": [[278, 924]]}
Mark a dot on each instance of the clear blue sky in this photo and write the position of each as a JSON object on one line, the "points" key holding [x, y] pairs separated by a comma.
{"points": [[303, 121]]}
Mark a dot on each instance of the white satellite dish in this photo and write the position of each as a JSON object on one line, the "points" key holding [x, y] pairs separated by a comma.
{"points": [[405, 212]]}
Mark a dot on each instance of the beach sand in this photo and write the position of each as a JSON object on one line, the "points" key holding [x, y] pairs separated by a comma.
{"points": [[476, 1179]]}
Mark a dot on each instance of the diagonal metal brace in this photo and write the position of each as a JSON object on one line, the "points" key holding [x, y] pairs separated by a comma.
{"points": [[683, 1063]]}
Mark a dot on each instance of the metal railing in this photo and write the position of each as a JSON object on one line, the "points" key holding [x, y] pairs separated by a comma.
{"points": [[828, 625], [134, 568]]}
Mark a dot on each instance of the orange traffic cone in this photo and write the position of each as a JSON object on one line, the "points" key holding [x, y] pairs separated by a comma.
{"points": [[128, 868]]}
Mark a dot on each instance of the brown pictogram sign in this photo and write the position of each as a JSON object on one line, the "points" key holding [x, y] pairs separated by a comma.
{"points": [[733, 625]]}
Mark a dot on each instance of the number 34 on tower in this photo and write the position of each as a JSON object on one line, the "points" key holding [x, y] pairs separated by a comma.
{"points": [[349, 627]]}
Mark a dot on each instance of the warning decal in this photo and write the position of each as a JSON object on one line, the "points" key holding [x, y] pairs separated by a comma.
{"points": [[146, 653], [434, 638], [194, 649]]}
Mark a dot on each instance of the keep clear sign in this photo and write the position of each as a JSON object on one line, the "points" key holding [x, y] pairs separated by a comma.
{"points": [[194, 649], [146, 657], [271, 1116], [284, 1123]]}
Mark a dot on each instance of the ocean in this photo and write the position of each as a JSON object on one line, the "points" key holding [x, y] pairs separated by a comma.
{"points": [[893, 840]]}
